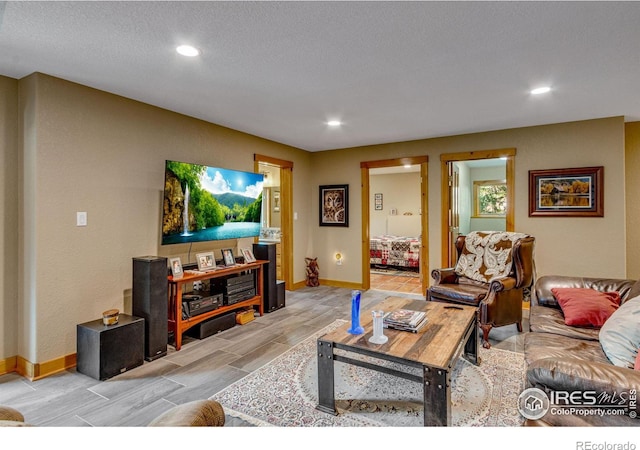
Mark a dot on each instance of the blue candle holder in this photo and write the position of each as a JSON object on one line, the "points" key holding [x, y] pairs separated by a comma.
{"points": [[356, 328]]}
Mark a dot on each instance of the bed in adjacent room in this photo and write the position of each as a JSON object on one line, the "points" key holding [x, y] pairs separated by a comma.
{"points": [[399, 248]]}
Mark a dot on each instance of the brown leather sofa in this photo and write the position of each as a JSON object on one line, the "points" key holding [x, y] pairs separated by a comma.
{"points": [[564, 358]]}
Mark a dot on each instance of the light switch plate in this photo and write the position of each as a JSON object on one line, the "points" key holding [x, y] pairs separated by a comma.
{"points": [[81, 219]]}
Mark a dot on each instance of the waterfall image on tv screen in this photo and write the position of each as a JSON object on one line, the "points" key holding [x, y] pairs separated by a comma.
{"points": [[204, 203]]}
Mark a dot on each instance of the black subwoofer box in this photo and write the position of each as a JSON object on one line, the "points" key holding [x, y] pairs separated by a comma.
{"points": [[213, 326], [105, 351], [150, 301]]}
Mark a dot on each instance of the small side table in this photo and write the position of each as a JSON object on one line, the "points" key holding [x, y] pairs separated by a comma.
{"points": [[106, 351]]}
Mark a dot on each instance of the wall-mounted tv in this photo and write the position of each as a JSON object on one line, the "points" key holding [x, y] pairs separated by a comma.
{"points": [[202, 203]]}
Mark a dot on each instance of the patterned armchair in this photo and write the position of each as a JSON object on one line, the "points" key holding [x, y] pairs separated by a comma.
{"points": [[492, 271]]}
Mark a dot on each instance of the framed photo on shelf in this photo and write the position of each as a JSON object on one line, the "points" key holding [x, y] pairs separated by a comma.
{"points": [[248, 255], [176, 267], [206, 261], [567, 192], [334, 205], [227, 257]]}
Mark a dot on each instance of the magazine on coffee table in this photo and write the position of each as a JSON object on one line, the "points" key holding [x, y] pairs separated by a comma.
{"points": [[405, 319]]}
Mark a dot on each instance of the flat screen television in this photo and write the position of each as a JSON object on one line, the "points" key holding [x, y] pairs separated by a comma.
{"points": [[202, 203]]}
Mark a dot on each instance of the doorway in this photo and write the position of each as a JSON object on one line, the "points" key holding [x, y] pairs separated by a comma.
{"points": [[466, 177], [277, 215], [394, 225]]}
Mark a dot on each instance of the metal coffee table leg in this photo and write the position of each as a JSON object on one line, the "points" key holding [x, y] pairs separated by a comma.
{"points": [[326, 389], [471, 346], [437, 398]]}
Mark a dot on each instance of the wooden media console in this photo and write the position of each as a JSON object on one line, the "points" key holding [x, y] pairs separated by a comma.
{"points": [[178, 324]]}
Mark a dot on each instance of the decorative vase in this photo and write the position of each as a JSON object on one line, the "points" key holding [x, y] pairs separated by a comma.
{"points": [[356, 328], [378, 328]]}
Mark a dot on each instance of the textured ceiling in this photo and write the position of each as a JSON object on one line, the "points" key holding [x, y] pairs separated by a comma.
{"points": [[392, 71]]}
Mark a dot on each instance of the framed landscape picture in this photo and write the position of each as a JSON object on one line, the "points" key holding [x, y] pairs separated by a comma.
{"points": [[567, 192], [334, 205]]}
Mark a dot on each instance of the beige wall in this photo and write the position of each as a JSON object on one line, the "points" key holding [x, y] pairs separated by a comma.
{"points": [[400, 191], [632, 181], [105, 155], [80, 149], [571, 246], [9, 222]]}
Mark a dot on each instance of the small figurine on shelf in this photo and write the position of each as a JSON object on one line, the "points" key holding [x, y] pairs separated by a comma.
{"points": [[313, 272]]}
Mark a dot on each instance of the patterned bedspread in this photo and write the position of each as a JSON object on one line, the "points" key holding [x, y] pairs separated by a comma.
{"points": [[398, 251]]}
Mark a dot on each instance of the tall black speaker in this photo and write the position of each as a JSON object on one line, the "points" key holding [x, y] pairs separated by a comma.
{"points": [[270, 298], [150, 301]]}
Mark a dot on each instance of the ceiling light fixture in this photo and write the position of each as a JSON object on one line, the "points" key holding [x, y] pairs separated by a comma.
{"points": [[187, 50], [540, 90], [334, 123]]}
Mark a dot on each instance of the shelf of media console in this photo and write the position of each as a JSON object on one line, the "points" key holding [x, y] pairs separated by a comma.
{"points": [[178, 325]]}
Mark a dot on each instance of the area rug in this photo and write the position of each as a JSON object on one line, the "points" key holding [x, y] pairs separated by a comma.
{"points": [[284, 392]]}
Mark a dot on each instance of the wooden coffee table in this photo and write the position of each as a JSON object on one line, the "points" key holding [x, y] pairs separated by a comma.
{"points": [[451, 330]]}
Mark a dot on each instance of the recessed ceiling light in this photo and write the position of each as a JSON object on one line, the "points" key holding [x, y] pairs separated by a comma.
{"points": [[334, 123], [187, 50], [540, 90]]}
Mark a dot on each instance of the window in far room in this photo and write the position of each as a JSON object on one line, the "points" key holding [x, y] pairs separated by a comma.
{"points": [[490, 198]]}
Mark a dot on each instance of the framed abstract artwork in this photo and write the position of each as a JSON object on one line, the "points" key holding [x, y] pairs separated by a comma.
{"points": [[334, 205]]}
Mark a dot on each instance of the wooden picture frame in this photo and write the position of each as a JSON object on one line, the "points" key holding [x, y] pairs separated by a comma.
{"points": [[248, 255], [227, 257], [206, 261], [575, 192], [176, 268], [334, 205]]}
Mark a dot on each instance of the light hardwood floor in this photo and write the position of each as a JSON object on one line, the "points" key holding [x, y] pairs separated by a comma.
{"points": [[407, 284], [199, 370]]}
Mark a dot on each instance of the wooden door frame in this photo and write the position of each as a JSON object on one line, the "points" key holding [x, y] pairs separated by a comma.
{"points": [[286, 211], [507, 153], [423, 161]]}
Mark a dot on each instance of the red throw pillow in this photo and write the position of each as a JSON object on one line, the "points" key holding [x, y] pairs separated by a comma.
{"points": [[583, 307]]}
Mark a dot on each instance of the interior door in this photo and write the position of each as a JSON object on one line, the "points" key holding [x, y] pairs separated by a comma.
{"points": [[454, 212], [365, 166], [281, 199], [451, 210]]}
